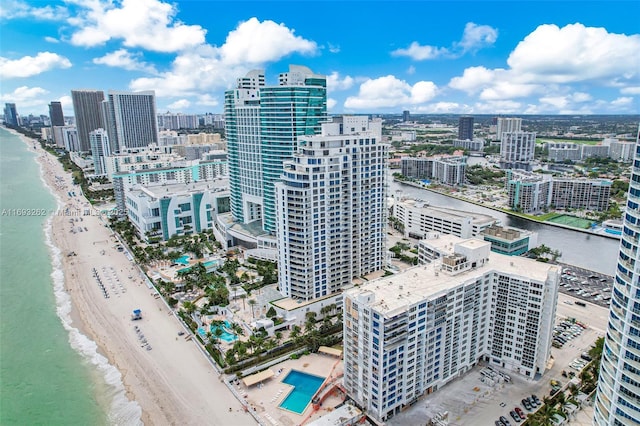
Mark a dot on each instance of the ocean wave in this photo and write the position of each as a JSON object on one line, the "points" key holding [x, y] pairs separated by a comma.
{"points": [[122, 410]]}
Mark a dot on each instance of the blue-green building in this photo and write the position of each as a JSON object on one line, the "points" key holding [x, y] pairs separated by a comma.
{"points": [[262, 125]]}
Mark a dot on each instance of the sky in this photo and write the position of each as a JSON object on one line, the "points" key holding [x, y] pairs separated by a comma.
{"points": [[458, 57]]}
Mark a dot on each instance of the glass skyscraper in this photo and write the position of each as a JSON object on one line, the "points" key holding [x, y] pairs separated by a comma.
{"points": [[618, 396], [262, 125]]}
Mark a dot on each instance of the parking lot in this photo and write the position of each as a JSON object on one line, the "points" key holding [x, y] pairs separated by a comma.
{"points": [[470, 401], [586, 285]]}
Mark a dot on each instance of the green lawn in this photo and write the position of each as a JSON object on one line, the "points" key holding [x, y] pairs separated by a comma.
{"points": [[578, 141]]}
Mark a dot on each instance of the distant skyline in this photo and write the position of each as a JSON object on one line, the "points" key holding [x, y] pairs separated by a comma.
{"points": [[481, 57]]}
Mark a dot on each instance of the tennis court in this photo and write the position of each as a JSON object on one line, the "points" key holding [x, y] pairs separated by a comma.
{"points": [[572, 221]]}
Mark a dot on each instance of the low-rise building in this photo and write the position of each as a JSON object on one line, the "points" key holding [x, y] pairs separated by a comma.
{"points": [[510, 241], [448, 170], [177, 209], [408, 335], [419, 219]]}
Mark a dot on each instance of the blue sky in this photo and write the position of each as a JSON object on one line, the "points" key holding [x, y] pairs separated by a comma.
{"points": [[481, 57]]}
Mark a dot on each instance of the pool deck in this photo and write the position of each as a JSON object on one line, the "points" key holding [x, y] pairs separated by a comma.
{"points": [[265, 398]]}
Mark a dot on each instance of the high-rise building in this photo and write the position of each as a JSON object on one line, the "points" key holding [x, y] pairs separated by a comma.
{"points": [[131, 119], [263, 124], [619, 382], [406, 116], [331, 209], [517, 150], [88, 116], [507, 124], [10, 114], [100, 150], [55, 114], [465, 128], [410, 334]]}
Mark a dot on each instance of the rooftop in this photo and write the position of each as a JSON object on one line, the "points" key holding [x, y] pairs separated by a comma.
{"points": [[393, 293], [173, 189], [449, 214]]}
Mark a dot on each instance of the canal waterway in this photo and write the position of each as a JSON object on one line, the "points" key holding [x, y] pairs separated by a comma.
{"points": [[588, 251]]}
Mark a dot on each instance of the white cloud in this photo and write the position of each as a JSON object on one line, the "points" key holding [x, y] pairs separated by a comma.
{"points": [[335, 82], [14, 9], [27, 98], [474, 37], [255, 42], [477, 36], [331, 103], [575, 53], [333, 48], [418, 52], [443, 108], [549, 61], [51, 39], [208, 68], [473, 79], [122, 58], [622, 101], [497, 107], [389, 91], [207, 100], [28, 66], [633, 90], [148, 24], [180, 104], [411, 70]]}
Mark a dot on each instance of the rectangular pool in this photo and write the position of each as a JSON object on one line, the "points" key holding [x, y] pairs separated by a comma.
{"points": [[304, 387]]}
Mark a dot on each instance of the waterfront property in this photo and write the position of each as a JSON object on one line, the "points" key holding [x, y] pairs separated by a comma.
{"points": [[408, 335], [419, 219], [445, 169]]}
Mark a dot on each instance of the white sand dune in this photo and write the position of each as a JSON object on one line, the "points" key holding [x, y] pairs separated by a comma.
{"points": [[173, 383]]}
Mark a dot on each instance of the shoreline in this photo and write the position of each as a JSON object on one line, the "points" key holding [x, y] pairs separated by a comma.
{"points": [[509, 213], [171, 384]]}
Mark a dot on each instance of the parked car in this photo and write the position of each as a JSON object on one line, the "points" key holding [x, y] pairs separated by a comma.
{"points": [[586, 357], [515, 416], [533, 403], [520, 412], [525, 404], [536, 399]]}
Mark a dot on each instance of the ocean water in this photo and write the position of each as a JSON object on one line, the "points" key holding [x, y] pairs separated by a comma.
{"points": [[50, 374]]}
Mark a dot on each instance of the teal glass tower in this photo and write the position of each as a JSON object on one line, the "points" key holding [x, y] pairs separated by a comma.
{"points": [[262, 125], [618, 397]]}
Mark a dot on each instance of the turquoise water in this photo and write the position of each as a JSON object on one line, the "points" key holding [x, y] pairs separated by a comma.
{"points": [[226, 336], [183, 260], [50, 374], [305, 386], [42, 379], [209, 265]]}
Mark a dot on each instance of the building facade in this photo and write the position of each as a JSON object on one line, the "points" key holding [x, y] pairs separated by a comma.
{"points": [[100, 150], [408, 335], [177, 121], [419, 219], [507, 124], [263, 124], [510, 241], [88, 114], [178, 209], [331, 210], [131, 119], [619, 382], [447, 170], [465, 128], [56, 116], [517, 150], [11, 114]]}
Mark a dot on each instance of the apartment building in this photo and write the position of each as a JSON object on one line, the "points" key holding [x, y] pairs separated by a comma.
{"points": [[410, 334], [517, 150], [619, 381], [331, 212], [588, 194], [420, 219], [176, 209], [533, 192], [447, 170]]}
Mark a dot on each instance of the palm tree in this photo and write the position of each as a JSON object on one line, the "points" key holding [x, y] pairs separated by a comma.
{"points": [[278, 336], [189, 307], [252, 303]]}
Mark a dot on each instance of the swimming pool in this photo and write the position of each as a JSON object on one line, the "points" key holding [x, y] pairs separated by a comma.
{"points": [[183, 260], [225, 336], [209, 265], [304, 387]]}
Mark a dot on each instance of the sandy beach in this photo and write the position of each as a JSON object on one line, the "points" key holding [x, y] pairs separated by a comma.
{"points": [[173, 382]]}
